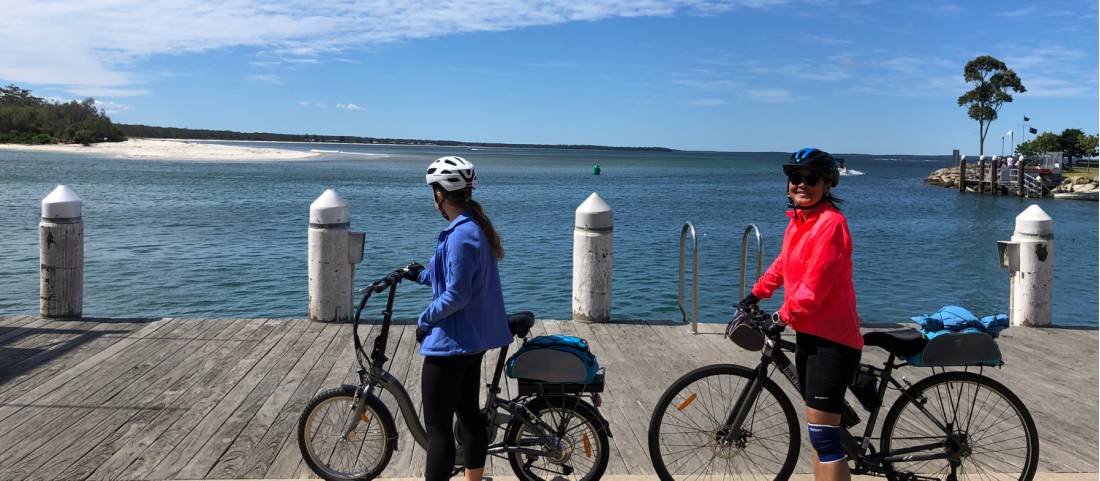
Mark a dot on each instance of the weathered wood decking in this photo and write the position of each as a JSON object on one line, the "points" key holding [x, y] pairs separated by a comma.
{"points": [[193, 399]]}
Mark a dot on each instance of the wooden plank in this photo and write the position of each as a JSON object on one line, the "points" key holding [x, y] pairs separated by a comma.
{"points": [[620, 451], [28, 434], [203, 400], [289, 464], [140, 395], [285, 383], [17, 379], [53, 383], [186, 453], [106, 373], [141, 433], [158, 399], [283, 430], [406, 368]]}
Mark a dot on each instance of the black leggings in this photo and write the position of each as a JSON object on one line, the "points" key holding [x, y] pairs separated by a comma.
{"points": [[450, 386]]}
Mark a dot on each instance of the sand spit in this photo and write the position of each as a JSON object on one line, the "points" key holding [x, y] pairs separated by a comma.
{"points": [[156, 149]]}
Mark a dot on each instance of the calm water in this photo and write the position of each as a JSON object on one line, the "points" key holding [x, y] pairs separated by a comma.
{"points": [[228, 240]]}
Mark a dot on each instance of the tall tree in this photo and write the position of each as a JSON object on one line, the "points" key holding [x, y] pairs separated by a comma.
{"points": [[992, 80], [1088, 145], [1041, 144], [1071, 145]]}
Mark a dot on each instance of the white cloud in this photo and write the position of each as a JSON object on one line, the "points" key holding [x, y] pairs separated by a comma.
{"points": [[350, 107], [266, 78], [112, 107], [706, 102], [97, 43], [306, 103], [106, 92], [770, 96], [1043, 86], [708, 84]]}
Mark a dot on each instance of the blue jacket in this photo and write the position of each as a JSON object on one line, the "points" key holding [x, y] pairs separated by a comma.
{"points": [[466, 315]]}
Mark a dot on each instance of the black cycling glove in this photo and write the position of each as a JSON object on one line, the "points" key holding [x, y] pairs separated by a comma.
{"points": [[412, 271], [749, 301], [420, 335]]}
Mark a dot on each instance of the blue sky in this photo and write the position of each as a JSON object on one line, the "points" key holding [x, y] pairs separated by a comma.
{"points": [[744, 75]]}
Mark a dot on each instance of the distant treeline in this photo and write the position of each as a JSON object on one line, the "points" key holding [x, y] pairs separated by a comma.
{"points": [[26, 119], [148, 131]]}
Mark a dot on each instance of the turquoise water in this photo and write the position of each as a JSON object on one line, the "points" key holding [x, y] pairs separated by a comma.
{"points": [[226, 240]]}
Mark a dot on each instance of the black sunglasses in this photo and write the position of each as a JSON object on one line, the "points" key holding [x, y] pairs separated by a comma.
{"points": [[809, 180]]}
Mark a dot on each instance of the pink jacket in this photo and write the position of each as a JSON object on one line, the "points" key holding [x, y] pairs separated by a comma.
{"points": [[815, 269]]}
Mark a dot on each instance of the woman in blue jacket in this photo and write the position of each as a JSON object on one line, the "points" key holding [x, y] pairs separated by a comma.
{"points": [[465, 318]]}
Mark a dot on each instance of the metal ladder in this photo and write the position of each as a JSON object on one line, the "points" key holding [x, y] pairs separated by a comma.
{"points": [[751, 228], [689, 227]]}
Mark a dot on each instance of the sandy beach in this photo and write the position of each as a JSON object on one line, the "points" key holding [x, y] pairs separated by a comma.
{"points": [[158, 149]]}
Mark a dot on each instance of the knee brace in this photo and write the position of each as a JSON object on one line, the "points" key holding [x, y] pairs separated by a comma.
{"points": [[826, 441]]}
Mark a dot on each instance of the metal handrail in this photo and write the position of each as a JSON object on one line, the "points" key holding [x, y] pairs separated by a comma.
{"points": [[745, 255], [688, 226]]}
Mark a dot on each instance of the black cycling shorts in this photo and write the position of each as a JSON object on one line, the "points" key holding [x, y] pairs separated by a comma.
{"points": [[825, 369]]}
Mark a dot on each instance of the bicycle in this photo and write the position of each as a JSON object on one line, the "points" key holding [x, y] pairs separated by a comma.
{"points": [[730, 420], [550, 431]]}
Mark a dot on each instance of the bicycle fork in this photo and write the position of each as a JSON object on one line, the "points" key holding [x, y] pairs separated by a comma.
{"points": [[361, 395], [735, 421]]}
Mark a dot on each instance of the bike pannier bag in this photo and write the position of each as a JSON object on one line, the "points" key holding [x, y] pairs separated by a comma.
{"points": [[554, 359], [967, 348], [743, 332]]}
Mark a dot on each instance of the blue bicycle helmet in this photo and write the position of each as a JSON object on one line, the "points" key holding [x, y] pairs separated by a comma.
{"points": [[818, 160]]}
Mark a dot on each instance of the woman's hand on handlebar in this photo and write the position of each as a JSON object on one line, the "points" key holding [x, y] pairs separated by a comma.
{"points": [[748, 303], [412, 271]]}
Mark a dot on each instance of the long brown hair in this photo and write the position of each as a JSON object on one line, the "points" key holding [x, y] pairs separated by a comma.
{"points": [[463, 199]]}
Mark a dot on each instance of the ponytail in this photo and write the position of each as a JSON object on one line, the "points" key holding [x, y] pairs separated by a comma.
{"points": [[487, 226], [462, 198]]}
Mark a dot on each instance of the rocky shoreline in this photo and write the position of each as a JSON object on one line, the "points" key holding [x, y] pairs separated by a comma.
{"points": [[1085, 187]]}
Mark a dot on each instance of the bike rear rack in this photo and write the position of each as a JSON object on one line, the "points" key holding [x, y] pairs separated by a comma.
{"points": [[689, 227], [745, 255]]}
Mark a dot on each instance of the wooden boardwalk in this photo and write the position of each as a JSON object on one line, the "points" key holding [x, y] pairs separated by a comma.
{"points": [[215, 399]]}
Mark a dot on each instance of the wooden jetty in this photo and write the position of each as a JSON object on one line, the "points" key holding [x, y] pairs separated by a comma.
{"points": [[218, 399]]}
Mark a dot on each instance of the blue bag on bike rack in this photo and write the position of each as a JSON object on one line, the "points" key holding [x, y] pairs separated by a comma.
{"points": [[554, 359]]}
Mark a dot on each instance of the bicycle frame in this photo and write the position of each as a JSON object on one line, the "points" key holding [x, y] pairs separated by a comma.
{"points": [[862, 452], [373, 375]]}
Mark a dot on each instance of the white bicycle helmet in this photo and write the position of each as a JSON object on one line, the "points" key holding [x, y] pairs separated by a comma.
{"points": [[451, 172]]}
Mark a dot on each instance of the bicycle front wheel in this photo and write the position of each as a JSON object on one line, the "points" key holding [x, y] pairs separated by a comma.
{"points": [[981, 426], [688, 425], [360, 455]]}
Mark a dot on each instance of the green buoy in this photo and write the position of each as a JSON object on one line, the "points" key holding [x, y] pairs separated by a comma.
{"points": [[595, 169]]}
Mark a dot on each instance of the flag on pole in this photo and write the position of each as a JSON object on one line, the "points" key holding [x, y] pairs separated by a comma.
{"points": [[1026, 119], [1031, 130], [1009, 133]]}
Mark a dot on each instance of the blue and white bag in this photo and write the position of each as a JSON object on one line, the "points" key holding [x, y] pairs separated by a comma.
{"points": [[554, 359]]}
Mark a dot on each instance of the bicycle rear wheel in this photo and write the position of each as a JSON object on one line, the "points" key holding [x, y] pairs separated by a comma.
{"points": [[577, 449], [987, 430], [363, 454], [689, 419]]}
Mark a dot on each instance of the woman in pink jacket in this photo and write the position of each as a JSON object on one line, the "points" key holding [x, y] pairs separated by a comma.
{"points": [[814, 268]]}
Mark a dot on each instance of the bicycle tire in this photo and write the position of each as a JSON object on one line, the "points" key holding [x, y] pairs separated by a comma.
{"points": [[705, 431], [998, 403], [340, 399], [587, 439]]}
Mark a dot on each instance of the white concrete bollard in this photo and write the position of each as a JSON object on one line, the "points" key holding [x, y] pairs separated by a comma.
{"points": [[1029, 257], [61, 253], [333, 254], [592, 250]]}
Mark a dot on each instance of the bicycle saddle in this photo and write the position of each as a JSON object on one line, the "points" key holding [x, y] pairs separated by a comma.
{"points": [[902, 342], [520, 323]]}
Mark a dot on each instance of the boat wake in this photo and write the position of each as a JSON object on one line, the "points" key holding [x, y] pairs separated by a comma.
{"points": [[851, 172]]}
